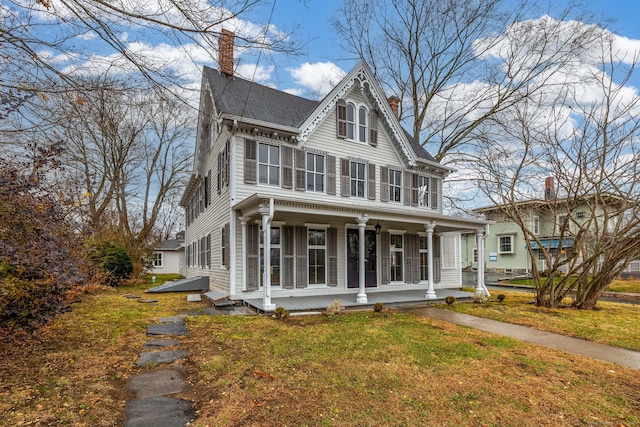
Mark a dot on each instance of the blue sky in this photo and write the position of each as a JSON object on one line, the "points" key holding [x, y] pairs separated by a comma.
{"points": [[314, 16]]}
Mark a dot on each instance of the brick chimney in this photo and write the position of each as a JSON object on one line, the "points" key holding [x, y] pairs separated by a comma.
{"points": [[394, 102], [225, 51], [549, 188]]}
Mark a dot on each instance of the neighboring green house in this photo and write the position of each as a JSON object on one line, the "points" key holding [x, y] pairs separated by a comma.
{"points": [[553, 221]]}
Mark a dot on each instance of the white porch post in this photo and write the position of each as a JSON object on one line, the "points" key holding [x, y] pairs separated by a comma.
{"points": [[267, 214], [243, 223], [431, 293], [361, 298], [481, 289]]}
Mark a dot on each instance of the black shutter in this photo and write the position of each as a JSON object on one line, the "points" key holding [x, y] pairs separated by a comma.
{"points": [[253, 247], [219, 176], [345, 178], [207, 189], [341, 119], [227, 244], [331, 175], [373, 128], [287, 167], [408, 258], [287, 257], [332, 252], [371, 182], [250, 162], [384, 184], [301, 257], [407, 181], [435, 190], [416, 258], [208, 249], [385, 253], [301, 170], [227, 161]]}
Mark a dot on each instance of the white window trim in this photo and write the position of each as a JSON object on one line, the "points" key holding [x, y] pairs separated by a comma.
{"points": [[326, 256], [161, 260], [393, 250], [356, 122], [324, 172], [512, 237], [258, 163], [394, 170], [365, 179]]}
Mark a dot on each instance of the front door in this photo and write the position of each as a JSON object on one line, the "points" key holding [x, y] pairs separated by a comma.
{"points": [[370, 260]]}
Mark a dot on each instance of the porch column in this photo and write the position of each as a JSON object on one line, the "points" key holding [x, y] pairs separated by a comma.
{"points": [[266, 210], [481, 289], [361, 298], [431, 293], [243, 223]]}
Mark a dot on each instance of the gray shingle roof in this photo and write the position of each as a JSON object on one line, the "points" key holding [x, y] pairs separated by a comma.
{"points": [[419, 149], [169, 245], [234, 95]]}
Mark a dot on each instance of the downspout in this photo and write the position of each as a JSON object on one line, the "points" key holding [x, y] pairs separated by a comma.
{"points": [[266, 228], [233, 214]]}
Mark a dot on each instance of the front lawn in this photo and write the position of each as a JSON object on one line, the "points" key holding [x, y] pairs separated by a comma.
{"points": [[612, 323], [618, 285], [358, 369]]}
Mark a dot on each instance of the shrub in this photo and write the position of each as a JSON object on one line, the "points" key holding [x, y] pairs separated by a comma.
{"points": [[450, 300], [336, 307], [112, 260], [501, 297], [479, 298], [281, 313], [378, 307]]}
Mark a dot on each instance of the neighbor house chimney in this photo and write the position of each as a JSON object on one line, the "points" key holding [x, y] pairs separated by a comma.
{"points": [[225, 51], [394, 102], [549, 189]]}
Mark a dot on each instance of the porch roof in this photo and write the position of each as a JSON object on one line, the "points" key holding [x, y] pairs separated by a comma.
{"points": [[351, 209], [552, 243]]}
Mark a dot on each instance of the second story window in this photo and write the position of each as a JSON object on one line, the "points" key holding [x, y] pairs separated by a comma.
{"points": [[424, 197], [357, 122], [358, 179], [315, 172], [395, 185], [268, 164]]}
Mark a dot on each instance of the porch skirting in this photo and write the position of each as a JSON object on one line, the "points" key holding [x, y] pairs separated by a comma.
{"points": [[320, 302]]}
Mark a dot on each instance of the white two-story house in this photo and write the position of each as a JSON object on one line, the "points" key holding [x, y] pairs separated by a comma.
{"points": [[295, 197]]}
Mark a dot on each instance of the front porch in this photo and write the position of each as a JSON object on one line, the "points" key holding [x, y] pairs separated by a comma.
{"points": [[386, 297]]}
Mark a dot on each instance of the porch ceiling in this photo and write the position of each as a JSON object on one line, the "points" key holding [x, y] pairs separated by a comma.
{"points": [[392, 216]]}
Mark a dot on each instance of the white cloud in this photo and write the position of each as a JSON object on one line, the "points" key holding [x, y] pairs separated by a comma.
{"points": [[256, 73], [319, 77]]}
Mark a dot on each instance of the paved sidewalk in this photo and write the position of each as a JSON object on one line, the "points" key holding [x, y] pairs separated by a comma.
{"points": [[617, 355]]}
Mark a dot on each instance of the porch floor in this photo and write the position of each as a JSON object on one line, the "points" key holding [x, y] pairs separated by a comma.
{"points": [[320, 302]]}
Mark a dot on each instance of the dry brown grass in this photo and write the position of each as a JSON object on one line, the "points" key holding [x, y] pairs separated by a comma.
{"points": [[359, 369]]}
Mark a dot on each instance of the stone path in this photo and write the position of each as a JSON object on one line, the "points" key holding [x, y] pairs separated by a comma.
{"points": [[153, 407]]}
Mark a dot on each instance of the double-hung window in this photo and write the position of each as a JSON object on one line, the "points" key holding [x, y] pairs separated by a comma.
{"points": [[357, 122], [424, 195], [358, 179], [315, 172], [268, 164], [317, 246], [157, 259], [395, 185], [505, 244], [397, 257]]}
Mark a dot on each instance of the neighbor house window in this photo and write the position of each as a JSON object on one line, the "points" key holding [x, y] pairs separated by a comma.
{"points": [[268, 164], [561, 223], [358, 179], [315, 172], [536, 225], [157, 259], [505, 244], [317, 244], [395, 185], [397, 257], [424, 259], [475, 255]]}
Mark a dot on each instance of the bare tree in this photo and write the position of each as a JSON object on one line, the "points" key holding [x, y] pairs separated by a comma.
{"points": [[585, 136], [48, 45], [456, 64], [126, 151]]}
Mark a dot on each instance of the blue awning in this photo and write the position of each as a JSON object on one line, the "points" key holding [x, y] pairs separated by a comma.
{"points": [[552, 243]]}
